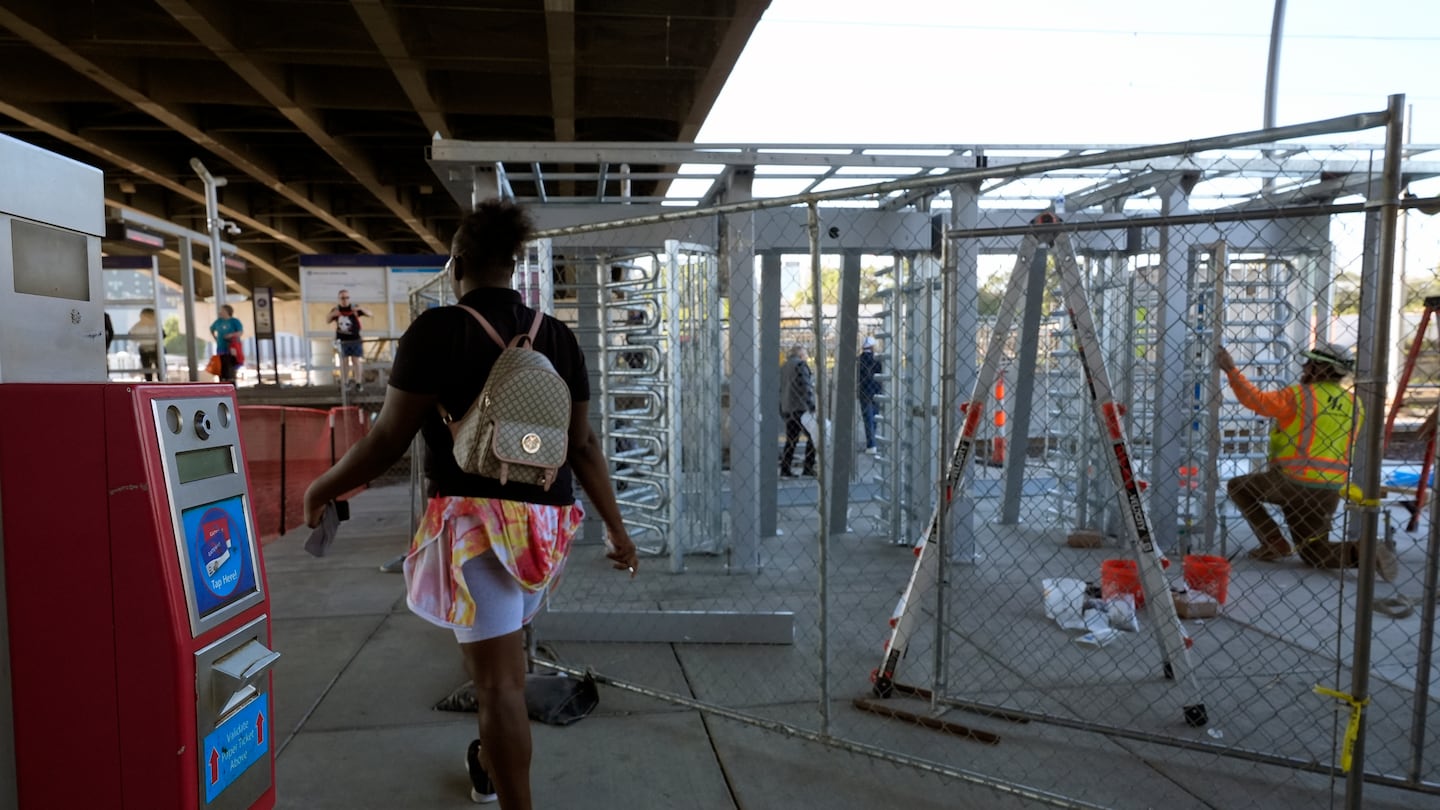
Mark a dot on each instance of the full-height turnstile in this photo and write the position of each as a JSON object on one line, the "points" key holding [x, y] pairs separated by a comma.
{"points": [[651, 320]]}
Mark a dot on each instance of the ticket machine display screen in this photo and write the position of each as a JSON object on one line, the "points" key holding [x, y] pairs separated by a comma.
{"points": [[222, 569], [195, 465]]}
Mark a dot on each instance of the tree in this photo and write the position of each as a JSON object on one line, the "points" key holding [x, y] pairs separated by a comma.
{"points": [[175, 339], [830, 288]]}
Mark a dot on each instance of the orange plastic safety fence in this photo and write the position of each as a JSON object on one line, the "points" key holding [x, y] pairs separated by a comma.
{"points": [[261, 436], [285, 450], [307, 455], [347, 426]]}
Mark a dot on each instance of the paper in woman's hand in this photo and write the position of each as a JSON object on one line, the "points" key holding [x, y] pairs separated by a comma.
{"points": [[324, 534]]}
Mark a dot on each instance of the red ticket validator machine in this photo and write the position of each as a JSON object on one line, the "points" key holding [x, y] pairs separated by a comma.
{"points": [[138, 616], [134, 616]]}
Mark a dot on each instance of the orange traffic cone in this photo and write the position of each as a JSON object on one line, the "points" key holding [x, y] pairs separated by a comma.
{"points": [[997, 444]]}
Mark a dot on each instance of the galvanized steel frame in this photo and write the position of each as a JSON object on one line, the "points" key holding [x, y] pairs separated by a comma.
{"points": [[1177, 156]]}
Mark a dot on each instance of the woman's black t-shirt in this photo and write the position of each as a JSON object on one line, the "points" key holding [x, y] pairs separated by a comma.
{"points": [[446, 352]]}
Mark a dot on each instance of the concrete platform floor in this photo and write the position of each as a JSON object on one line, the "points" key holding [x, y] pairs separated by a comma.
{"points": [[359, 675]]}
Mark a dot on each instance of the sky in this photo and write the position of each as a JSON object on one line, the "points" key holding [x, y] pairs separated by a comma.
{"points": [[1071, 71], [1103, 72]]}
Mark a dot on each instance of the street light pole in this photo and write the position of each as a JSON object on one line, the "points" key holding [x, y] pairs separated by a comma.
{"points": [[214, 223], [1272, 69]]}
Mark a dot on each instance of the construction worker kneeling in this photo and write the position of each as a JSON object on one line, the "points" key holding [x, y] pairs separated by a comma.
{"points": [[1309, 461]]}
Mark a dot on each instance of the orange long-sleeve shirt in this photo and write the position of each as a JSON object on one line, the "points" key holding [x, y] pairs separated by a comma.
{"points": [[1279, 405]]}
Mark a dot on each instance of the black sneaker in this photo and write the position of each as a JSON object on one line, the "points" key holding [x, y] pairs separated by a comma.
{"points": [[785, 473], [482, 790]]}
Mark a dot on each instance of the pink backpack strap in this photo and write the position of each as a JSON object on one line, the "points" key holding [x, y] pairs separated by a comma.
{"points": [[534, 330], [495, 336]]}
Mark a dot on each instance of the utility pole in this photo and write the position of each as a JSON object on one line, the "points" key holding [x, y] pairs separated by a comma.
{"points": [[214, 224]]}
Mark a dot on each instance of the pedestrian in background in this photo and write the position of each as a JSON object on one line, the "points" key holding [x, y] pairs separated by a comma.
{"points": [[867, 388], [228, 333], [146, 333], [797, 398], [346, 317]]}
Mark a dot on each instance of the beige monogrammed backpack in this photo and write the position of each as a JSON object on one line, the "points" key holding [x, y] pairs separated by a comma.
{"points": [[518, 429]]}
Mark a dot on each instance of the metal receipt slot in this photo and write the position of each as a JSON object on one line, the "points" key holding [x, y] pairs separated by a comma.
{"points": [[218, 555], [237, 672]]}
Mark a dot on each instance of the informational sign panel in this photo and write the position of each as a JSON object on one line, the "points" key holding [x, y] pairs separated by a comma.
{"points": [[325, 283], [262, 299], [381, 284], [218, 545], [238, 743], [405, 279]]}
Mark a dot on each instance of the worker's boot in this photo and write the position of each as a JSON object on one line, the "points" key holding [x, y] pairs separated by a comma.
{"points": [[1271, 549], [1321, 553]]}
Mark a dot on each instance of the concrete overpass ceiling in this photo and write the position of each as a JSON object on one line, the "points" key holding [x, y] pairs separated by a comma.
{"points": [[318, 112]]}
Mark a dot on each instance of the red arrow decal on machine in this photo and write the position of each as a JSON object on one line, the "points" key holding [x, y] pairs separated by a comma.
{"points": [[260, 726], [214, 766]]}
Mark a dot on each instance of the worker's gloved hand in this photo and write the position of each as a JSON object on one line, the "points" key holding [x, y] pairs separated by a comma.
{"points": [[1224, 361]]}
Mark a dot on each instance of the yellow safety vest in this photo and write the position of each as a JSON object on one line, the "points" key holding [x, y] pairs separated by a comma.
{"points": [[1314, 448]]}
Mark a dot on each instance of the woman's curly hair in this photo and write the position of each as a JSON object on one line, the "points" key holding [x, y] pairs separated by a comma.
{"points": [[490, 236]]}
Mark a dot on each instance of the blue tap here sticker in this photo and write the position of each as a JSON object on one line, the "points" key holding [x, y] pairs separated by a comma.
{"points": [[218, 545], [239, 742]]}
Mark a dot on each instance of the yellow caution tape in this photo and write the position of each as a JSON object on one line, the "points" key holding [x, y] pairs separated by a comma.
{"points": [[1352, 728], [1354, 495]]}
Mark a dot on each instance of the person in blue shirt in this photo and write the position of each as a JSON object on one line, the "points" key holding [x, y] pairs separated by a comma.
{"points": [[228, 332]]}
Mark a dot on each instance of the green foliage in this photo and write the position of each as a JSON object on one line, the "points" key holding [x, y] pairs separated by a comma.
{"points": [[175, 339], [1410, 298], [830, 283]]}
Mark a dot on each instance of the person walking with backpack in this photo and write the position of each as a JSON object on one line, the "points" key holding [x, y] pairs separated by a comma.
{"points": [[509, 536]]}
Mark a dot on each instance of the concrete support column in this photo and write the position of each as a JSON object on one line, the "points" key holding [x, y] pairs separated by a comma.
{"points": [[769, 392], [842, 441], [748, 459], [1174, 403], [963, 260], [1023, 378]]}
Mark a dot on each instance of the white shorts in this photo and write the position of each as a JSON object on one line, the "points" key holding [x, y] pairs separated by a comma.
{"points": [[501, 605]]}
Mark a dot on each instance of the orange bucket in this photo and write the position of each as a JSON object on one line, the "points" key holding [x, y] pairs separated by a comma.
{"points": [[1121, 576], [1208, 574]]}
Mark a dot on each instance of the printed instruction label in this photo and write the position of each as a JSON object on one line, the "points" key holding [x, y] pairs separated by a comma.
{"points": [[239, 742]]}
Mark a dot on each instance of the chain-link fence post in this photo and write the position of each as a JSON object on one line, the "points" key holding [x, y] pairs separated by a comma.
{"points": [[1371, 392]]}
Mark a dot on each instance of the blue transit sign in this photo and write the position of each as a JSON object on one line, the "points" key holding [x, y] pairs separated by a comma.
{"points": [[239, 742]]}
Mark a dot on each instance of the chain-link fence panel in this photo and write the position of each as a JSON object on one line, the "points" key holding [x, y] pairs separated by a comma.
{"points": [[1043, 473]]}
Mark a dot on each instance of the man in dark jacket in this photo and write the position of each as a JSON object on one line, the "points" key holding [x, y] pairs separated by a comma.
{"points": [[867, 387], [797, 398]]}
